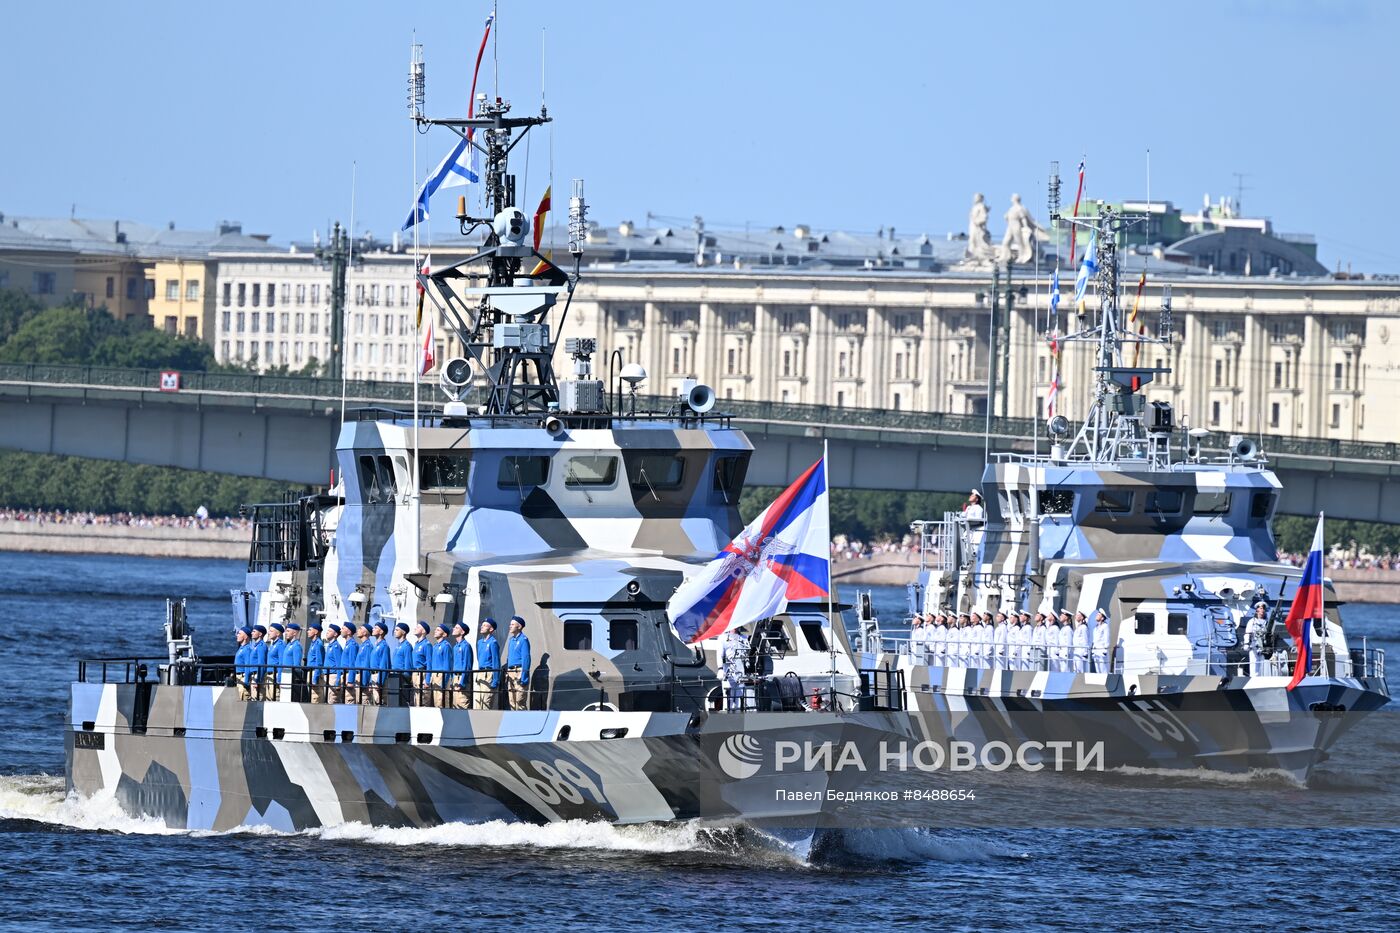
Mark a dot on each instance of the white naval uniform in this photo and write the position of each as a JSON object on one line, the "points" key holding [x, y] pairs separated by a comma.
{"points": [[1100, 642], [1020, 650], [1039, 647], [1064, 639], [736, 648], [999, 646], [1253, 630], [939, 644], [1081, 647], [983, 636]]}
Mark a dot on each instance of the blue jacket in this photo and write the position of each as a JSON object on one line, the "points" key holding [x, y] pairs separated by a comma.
{"points": [[421, 650], [274, 658], [488, 653], [240, 662], [350, 661], [291, 655], [333, 654], [403, 656], [379, 659], [258, 658], [316, 660], [365, 658], [442, 657], [462, 662], [518, 655]]}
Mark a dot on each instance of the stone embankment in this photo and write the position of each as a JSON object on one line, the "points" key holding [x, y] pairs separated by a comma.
{"points": [[1354, 584], [132, 540]]}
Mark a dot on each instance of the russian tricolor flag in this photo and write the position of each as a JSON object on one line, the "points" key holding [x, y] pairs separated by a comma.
{"points": [[783, 556], [1307, 606]]}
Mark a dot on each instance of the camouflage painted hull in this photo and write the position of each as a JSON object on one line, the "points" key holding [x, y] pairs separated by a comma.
{"points": [[199, 758], [1146, 721]]}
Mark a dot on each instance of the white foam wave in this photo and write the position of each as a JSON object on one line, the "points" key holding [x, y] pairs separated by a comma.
{"points": [[42, 798], [1208, 776], [569, 834]]}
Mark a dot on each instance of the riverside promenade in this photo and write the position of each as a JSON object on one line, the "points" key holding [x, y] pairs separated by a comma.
{"points": [[132, 540]]}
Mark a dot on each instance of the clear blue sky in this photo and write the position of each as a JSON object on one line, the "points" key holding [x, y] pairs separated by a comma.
{"points": [[851, 115]]}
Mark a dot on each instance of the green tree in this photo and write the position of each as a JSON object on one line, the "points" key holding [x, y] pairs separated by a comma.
{"points": [[16, 307], [64, 334], [152, 349]]}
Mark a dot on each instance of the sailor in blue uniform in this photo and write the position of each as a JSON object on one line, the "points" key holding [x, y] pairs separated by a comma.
{"points": [[403, 650], [379, 662], [315, 661], [364, 657], [439, 666], [518, 664], [422, 650], [488, 664], [292, 674], [461, 667], [334, 651], [241, 661], [258, 671], [271, 683], [349, 664]]}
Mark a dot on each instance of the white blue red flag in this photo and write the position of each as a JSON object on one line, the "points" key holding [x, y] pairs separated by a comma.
{"points": [[1088, 266], [1307, 606], [783, 556]]}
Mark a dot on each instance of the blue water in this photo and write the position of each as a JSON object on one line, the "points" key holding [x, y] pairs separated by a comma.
{"points": [[77, 866]]}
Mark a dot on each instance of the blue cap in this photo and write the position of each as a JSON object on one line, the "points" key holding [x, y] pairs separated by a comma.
{"points": [[260, 629], [401, 627], [518, 619], [293, 627], [246, 630], [277, 625], [489, 621], [313, 626], [348, 626], [423, 625], [445, 629], [379, 625], [333, 627]]}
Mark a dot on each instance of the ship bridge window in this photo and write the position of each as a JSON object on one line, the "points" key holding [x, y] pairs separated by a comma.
{"points": [[1260, 504], [377, 479], [729, 475], [622, 634], [1056, 502], [590, 471], [518, 472], [1164, 502], [657, 471], [444, 471], [814, 636], [1144, 623], [578, 636], [1114, 500], [1176, 623], [1211, 503]]}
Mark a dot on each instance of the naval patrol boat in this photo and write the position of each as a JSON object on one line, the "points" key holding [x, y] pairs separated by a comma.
{"points": [[1130, 516], [564, 501]]}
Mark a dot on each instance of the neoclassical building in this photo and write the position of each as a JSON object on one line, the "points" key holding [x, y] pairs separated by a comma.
{"points": [[1265, 341]]}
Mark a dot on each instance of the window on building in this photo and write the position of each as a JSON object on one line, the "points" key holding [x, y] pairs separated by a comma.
{"points": [[44, 283], [899, 365], [223, 349], [1273, 414], [192, 289], [256, 320], [226, 320], [675, 359], [112, 288], [242, 294], [374, 294], [1336, 375], [403, 296], [1278, 375], [239, 345], [730, 361], [840, 399], [267, 351], [896, 401], [1336, 415], [1215, 410], [286, 292], [191, 326], [843, 368], [172, 289], [315, 294], [313, 323], [242, 320], [301, 294], [271, 295], [784, 396], [170, 324], [300, 322], [257, 294], [787, 362], [147, 287], [1220, 372], [133, 287]]}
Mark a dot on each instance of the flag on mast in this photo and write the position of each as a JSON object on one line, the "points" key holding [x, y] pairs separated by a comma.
{"points": [[418, 321], [1088, 267], [1073, 230], [784, 555], [1307, 607], [427, 358], [540, 213]]}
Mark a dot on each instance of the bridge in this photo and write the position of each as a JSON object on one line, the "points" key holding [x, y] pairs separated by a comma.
{"points": [[284, 428]]}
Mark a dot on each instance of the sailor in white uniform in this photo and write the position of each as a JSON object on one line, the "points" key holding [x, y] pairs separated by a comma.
{"points": [[1000, 642], [982, 639], [1081, 643], [1040, 634], [1023, 642], [735, 657], [1064, 642], [940, 641], [963, 643], [1254, 635], [1099, 640]]}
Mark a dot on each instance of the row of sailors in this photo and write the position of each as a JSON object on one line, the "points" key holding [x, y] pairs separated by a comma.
{"points": [[1013, 642], [346, 663]]}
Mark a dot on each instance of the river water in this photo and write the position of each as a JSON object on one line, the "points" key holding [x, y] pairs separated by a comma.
{"points": [[79, 866]]}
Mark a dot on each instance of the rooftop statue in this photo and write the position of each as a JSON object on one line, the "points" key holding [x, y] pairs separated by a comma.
{"points": [[979, 240], [1018, 245]]}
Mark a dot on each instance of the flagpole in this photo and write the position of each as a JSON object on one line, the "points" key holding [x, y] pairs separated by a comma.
{"points": [[1322, 591], [830, 583], [417, 366]]}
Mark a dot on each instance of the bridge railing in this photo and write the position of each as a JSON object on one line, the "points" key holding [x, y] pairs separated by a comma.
{"points": [[243, 383]]}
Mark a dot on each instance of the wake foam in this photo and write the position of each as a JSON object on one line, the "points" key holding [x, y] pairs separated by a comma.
{"points": [[41, 798], [864, 846]]}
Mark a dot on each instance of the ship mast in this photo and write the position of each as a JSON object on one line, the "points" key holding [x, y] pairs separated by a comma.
{"points": [[1118, 426], [504, 324]]}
